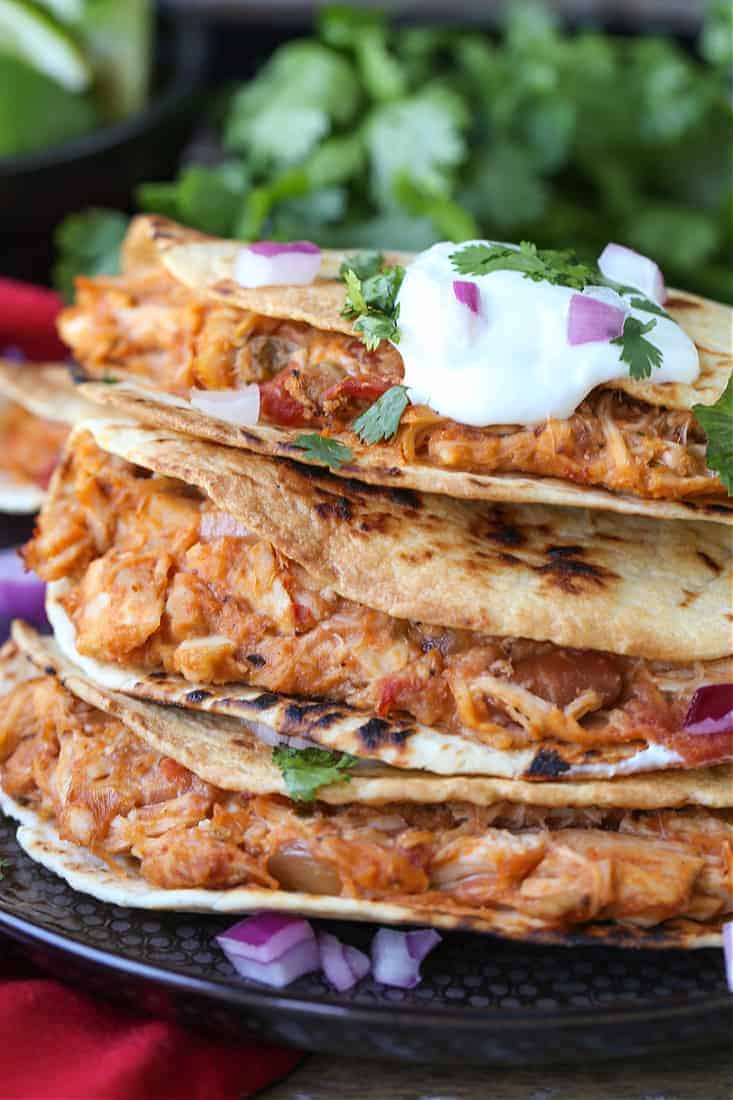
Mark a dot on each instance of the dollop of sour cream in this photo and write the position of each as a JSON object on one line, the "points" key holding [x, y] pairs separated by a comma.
{"points": [[511, 362]]}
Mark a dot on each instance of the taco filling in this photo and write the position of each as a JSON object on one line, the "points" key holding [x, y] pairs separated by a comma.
{"points": [[29, 445], [148, 324], [155, 578], [105, 789]]}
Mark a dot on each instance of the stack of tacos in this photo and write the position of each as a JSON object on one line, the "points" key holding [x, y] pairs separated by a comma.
{"points": [[453, 680]]}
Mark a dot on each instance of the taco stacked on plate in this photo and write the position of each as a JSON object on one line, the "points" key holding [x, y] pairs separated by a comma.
{"points": [[486, 692]]}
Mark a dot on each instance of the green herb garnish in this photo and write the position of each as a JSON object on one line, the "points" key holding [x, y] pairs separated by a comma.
{"points": [[717, 423], [305, 770], [640, 354], [363, 265], [324, 451], [372, 304], [561, 268], [382, 419], [646, 304], [3, 864], [88, 244]]}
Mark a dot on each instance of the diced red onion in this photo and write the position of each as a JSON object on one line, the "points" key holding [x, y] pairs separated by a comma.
{"points": [[14, 353], [342, 964], [22, 594], [240, 407], [271, 948], [271, 263], [217, 525], [396, 956], [467, 294], [711, 710], [623, 265], [728, 953], [590, 320]]}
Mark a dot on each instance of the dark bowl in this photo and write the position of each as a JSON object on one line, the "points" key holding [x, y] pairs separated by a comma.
{"points": [[103, 167]]}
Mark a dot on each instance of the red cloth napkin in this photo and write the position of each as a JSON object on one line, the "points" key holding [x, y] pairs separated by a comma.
{"points": [[57, 1043]]}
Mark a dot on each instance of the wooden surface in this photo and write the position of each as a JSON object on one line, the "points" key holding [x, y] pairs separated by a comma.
{"points": [[700, 1075]]}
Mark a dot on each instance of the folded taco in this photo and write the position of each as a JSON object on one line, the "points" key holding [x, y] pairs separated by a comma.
{"points": [[147, 806], [457, 637], [37, 406], [483, 370]]}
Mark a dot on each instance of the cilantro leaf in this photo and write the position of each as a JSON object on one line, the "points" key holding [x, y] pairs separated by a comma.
{"points": [[208, 199], [363, 265], [372, 304], [3, 864], [717, 423], [324, 451], [640, 354], [647, 305], [88, 243], [305, 770], [562, 268], [382, 419]]}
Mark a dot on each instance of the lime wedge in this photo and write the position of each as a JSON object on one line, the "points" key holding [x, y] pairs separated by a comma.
{"points": [[68, 11], [117, 36], [33, 35]]}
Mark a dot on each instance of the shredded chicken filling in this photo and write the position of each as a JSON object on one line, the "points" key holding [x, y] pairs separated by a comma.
{"points": [[151, 326], [108, 791], [29, 446], [159, 580]]}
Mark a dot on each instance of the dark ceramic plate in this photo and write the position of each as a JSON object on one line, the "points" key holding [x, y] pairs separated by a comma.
{"points": [[481, 1000]]}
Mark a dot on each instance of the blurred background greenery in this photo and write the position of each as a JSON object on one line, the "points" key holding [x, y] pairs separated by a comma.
{"points": [[371, 131]]}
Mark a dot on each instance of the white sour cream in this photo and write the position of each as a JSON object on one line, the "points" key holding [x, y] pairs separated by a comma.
{"points": [[512, 363]]}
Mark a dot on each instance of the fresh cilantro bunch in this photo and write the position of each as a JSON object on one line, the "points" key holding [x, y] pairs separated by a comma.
{"points": [[371, 299], [372, 135], [305, 770]]}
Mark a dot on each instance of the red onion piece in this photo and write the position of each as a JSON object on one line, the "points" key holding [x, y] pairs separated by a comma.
{"points": [[235, 406], [269, 263], [299, 960], [623, 265], [22, 594], [265, 937], [728, 953], [342, 965], [396, 956], [217, 525], [280, 248], [590, 320], [467, 294], [710, 710]]}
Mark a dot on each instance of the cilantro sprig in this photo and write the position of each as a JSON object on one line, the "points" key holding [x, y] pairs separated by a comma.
{"points": [[717, 423], [306, 770], [324, 451], [382, 419], [639, 353], [3, 864], [560, 267], [371, 297]]}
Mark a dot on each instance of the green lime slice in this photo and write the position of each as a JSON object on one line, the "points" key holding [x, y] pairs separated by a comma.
{"points": [[29, 33], [68, 11]]}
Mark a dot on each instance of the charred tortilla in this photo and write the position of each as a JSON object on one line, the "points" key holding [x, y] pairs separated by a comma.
{"points": [[622, 451], [160, 593], [665, 891]]}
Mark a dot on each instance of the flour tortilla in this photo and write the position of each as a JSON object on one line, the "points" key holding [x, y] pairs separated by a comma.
{"points": [[335, 726], [205, 265], [118, 881], [578, 578]]}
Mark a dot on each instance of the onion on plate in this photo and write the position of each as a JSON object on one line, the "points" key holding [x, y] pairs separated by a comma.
{"points": [[271, 948], [22, 594], [396, 956], [343, 966]]}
